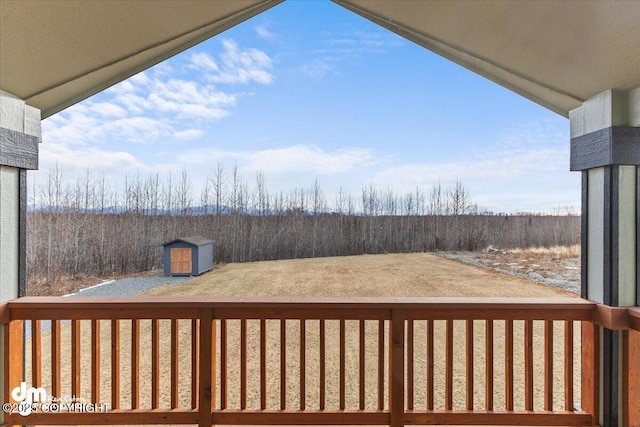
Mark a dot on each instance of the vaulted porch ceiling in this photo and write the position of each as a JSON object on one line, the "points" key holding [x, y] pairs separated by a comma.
{"points": [[54, 54]]}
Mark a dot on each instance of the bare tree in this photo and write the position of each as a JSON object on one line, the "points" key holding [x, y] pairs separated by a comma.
{"points": [[459, 199], [205, 195], [218, 186], [184, 193]]}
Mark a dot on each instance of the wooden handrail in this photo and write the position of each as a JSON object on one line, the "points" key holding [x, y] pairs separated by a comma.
{"points": [[50, 308]]}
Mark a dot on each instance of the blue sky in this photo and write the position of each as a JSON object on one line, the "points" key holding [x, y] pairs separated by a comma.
{"points": [[306, 91]]}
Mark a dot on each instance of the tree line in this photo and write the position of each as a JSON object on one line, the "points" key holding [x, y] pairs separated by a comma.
{"points": [[93, 227]]}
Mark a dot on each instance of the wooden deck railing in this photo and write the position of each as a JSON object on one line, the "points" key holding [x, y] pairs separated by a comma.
{"points": [[453, 361]]}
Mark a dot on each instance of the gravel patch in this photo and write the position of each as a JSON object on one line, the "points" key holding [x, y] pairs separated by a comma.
{"points": [[127, 287], [115, 288]]}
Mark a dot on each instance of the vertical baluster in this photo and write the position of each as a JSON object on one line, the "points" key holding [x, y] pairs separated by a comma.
{"points": [[381, 365], [322, 364], [508, 355], [115, 364], [194, 363], [303, 364], [36, 353], [528, 365], [568, 365], [469, 358], [342, 364], [95, 360], [135, 363], [548, 365], [175, 361], [223, 364], [449, 367], [362, 366], [243, 364], [263, 364], [75, 357], [430, 365], [489, 365], [410, 357], [55, 359], [155, 364], [283, 364]]}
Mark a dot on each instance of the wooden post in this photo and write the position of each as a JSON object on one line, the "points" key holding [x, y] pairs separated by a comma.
{"points": [[13, 357], [632, 375], [590, 369], [396, 367]]}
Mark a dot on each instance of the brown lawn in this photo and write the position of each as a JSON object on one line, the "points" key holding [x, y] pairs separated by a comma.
{"points": [[389, 275]]}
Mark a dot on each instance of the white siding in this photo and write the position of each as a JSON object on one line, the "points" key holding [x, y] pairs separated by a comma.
{"points": [[595, 234], [627, 237], [9, 232]]}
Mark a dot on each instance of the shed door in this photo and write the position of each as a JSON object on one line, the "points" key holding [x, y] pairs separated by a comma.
{"points": [[181, 261]]}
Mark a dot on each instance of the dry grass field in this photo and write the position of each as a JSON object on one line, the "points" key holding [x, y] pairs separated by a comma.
{"points": [[393, 275], [389, 275]]}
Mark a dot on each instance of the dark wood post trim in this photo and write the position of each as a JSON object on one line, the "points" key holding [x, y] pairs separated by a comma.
{"points": [[615, 145], [18, 150]]}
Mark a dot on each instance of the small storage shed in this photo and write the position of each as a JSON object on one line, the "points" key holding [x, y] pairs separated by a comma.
{"points": [[188, 256]]}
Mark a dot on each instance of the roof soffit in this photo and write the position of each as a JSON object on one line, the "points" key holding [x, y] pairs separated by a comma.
{"points": [[557, 54], [55, 54]]}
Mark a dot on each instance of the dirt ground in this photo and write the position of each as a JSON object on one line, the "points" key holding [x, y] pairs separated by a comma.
{"points": [[558, 266], [370, 275]]}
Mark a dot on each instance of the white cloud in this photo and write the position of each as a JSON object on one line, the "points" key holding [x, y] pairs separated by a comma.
{"points": [[75, 162], [520, 169], [136, 104], [138, 129], [188, 134], [158, 102], [496, 165], [263, 32], [108, 109], [121, 88], [190, 100], [293, 159], [140, 79], [301, 158], [319, 68], [343, 49], [241, 66], [204, 61]]}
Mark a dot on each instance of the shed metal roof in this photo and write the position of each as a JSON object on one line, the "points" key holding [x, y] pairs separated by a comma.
{"points": [[193, 240]]}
